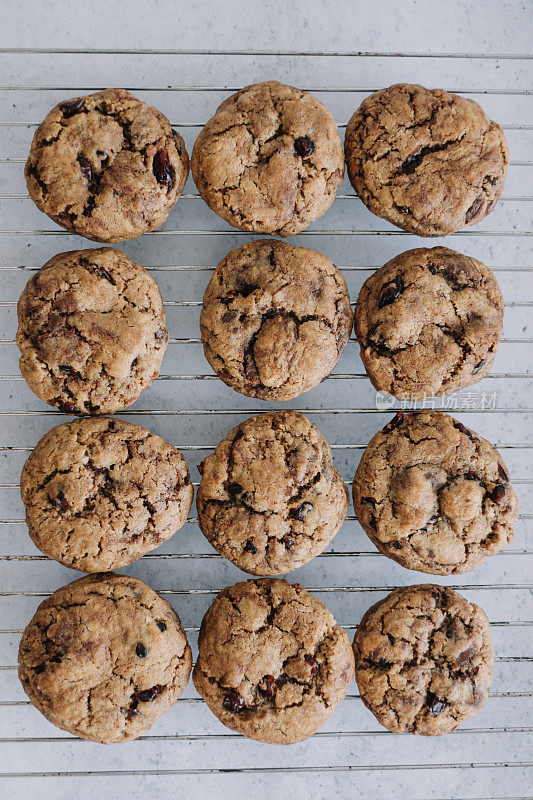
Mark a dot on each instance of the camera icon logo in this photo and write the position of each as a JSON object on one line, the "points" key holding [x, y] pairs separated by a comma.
{"points": [[384, 401]]}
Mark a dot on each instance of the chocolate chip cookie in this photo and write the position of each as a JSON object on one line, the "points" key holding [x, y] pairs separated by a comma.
{"points": [[99, 493], [270, 160], [275, 319], [270, 498], [423, 660], [273, 663], [428, 323], [104, 658], [426, 160], [433, 495], [92, 331], [106, 166]]}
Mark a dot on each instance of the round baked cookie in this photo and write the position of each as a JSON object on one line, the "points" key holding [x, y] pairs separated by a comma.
{"points": [[270, 498], [106, 166], [428, 323], [270, 160], [92, 331], [426, 160], [423, 660], [275, 319], [273, 664], [100, 493], [104, 658], [433, 495]]}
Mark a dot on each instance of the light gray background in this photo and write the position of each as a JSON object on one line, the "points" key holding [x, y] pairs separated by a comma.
{"points": [[482, 49]]}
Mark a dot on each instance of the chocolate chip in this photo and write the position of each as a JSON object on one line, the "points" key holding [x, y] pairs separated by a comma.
{"points": [[60, 501], [312, 663], [71, 107], [288, 541], [68, 408], [39, 669], [489, 179], [107, 275], [460, 427], [436, 704], [161, 625], [474, 209], [304, 146], [267, 685], [498, 493], [477, 368], [160, 334], [411, 162], [57, 658], [163, 169], [395, 422], [233, 702], [86, 170], [377, 342], [177, 140], [147, 695], [403, 209], [301, 512], [234, 489], [66, 369], [502, 473], [141, 650], [390, 292], [470, 476], [250, 547]]}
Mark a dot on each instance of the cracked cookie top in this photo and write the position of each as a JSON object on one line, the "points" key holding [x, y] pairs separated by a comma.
{"points": [[273, 663], [270, 498], [423, 660], [99, 493], [106, 166], [275, 319], [270, 160], [428, 323], [92, 331], [433, 495], [426, 160], [104, 658]]}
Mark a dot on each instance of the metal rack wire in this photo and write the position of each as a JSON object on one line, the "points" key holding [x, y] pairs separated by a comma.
{"points": [[351, 574]]}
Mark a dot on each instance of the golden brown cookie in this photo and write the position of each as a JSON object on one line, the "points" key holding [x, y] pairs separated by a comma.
{"points": [[433, 495], [423, 660], [100, 493], [428, 323], [92, 331], [270, 160], [275, 319], [270, 498], [104, 658], [106, 166], [273, 664], [426, 160]]}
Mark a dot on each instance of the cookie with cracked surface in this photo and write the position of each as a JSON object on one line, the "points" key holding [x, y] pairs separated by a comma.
{"points": [[106, 166], [275, 319], [270, 160], [426, 160], [273, 663], [104, 658], [433, 495], [270, 498], [428, 323], [423, 660], [92, 331], [100, 493]]}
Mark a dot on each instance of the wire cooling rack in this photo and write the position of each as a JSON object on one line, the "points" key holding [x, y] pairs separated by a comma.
{"points": [[489, 756]]}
